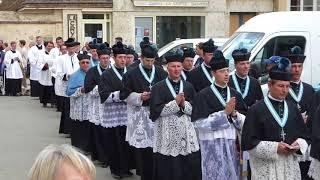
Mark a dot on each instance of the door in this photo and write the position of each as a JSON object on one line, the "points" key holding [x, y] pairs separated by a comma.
{"points": [[96, 28], [94, 32]]}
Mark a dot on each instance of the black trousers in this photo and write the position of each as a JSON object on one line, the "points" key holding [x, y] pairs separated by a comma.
{"points": [[144, 159], [117, 150], [54, 96], [177, 168], [304, 169], [65, 120], [34, 88], [46, 94], [99, 142], [13, 86], [59, 100], [80, 134]]}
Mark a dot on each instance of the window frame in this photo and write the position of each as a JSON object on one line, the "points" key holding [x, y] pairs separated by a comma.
{"points": [[315, 5], [106, 23], [263, 74]]}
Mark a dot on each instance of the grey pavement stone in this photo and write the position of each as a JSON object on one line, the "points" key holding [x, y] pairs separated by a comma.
{"points": [[25, 129]]}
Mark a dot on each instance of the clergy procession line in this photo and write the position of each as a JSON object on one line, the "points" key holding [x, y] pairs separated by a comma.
{"points": [[191, 121]]}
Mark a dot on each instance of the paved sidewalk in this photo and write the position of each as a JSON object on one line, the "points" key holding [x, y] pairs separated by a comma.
{"points": [[25, 129]]}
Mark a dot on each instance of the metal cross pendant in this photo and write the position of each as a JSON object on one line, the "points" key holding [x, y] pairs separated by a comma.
{"points": [[299, 107], [283, 135], [150, 86]]}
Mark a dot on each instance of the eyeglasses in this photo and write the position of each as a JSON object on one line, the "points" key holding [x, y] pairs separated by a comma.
{"points": [[84, 62]]}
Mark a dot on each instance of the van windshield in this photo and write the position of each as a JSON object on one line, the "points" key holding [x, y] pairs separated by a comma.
{"points": [[166, 46], [241, 40]]}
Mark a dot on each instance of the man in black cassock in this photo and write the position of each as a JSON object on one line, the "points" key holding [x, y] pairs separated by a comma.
{"points": [[145, 41], [114, 113], [218, 123], [247, 86], [94, 61], [91, 82], [274, 131], [199, 52], [130, 56], [301, 94], [137, 86], [187, 64], [315, 147], [176, 148], [201, 76]]}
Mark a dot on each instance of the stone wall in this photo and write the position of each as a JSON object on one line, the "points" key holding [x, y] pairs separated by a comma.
{"points": [[259, 6], [216, 15], [282, 5], [28, 25]]}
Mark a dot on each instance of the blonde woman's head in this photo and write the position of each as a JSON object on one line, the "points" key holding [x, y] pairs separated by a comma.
{"points": [[62, 162]]}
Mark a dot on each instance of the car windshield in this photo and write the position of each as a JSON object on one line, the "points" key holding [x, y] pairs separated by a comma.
{"points": [[167, 45], [246, 40]]}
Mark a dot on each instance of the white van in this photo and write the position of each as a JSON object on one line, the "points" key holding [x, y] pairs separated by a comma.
{"points": [[275, 33], [177, 44]]}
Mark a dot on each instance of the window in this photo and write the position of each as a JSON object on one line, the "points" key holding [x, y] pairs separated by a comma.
{"points": [[180, 46], [143, 28], [238, 19], [246, 40], [295, 5], [170, 28], [93, 16], [96, 28], [278, 46], [305, 5], [94, 31]]}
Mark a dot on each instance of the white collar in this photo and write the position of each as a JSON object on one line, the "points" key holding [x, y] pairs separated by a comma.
{"points": [[220, 85], [103, 68], [208, 66], [240, 76], [269, 95], [296, 82], [71, 55]]}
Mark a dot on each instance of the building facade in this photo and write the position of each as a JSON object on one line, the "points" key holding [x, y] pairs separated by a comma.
{"points": [[102, 20]]}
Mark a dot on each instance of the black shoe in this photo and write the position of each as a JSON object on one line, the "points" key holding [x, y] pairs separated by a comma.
{"points": [[68, 136], [105, 165], [116, 176], [44, 105], [126, 175]]}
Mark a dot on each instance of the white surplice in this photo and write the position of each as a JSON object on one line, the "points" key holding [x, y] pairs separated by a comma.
{"points": [[66, 65], [79, 106], [34, 55], [267, 164], [314, 170], [140, 132], [13, 70], [45, 75]]}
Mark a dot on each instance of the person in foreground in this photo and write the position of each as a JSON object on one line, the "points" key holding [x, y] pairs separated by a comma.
{"points": [[61, 162], [274, 130]]}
